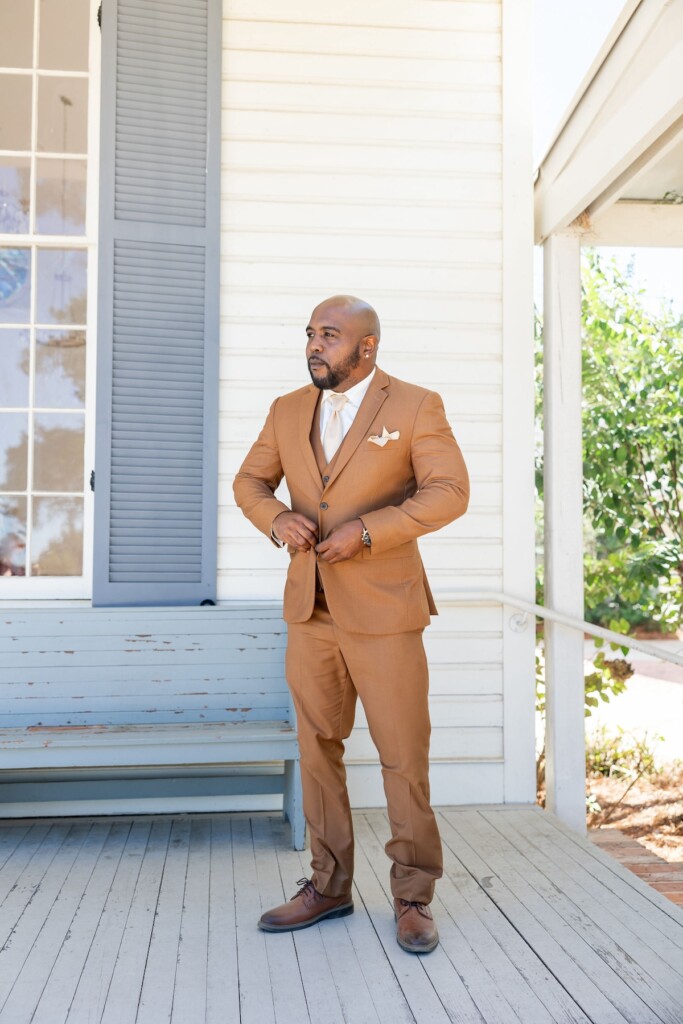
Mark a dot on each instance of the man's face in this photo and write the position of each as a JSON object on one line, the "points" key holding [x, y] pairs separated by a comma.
{"points": [[334, 350]]}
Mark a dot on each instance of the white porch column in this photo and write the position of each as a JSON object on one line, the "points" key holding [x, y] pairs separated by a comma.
{"points": [[563, 481]]}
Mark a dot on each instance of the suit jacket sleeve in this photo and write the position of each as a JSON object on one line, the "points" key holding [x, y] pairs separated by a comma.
{"points": [[259, 477], [443, 490]]}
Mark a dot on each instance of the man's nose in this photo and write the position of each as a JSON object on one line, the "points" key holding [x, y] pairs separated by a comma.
{"points": [[314, 344]]}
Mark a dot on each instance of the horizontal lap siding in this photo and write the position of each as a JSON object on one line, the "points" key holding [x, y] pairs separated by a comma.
{"points": [[361, 153]]}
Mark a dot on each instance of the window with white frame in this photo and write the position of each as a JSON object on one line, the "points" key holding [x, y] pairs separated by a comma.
{"points": [[44, 93]]}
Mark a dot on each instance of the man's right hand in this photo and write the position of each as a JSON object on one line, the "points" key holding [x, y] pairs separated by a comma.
{"points": [[295, 529]]}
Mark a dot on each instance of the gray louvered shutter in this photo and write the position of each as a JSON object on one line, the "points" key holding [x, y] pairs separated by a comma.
{"points": [[157, 360]]}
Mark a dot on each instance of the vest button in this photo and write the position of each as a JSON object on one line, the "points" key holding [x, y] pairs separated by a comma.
{"points": [[323, 505], [326, 479]]}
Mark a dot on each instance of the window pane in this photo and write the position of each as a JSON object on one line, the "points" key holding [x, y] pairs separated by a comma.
{"points": [[14, 359], [57, 539], [63, 44], [60, 369], [62, 115], [58, 452], [60, 197], [12, 536], [61, 293], [13, 451], [15, 175], [15, 111], [15, 286], [16, 34]]}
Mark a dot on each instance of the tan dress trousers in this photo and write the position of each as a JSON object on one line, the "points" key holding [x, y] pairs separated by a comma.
{"points": [[327, 669]]}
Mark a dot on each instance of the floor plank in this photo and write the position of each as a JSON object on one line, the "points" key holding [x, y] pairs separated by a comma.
{"points": [[528, 985], [322, 998], [128, 972], [648, 896], [589, 951], [36, 894], [425, 1001], [11, 839], [389, 1002], [636, 935], [156, 997], [628, 956], [222, 982], [256, 996], [67, 933], [142, 920], [82, 973], [189, 994], [515, 901], [289, 997], [23, 871]]}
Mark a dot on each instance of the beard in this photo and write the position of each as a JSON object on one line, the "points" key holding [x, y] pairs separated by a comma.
{"points": [[336, 375]]}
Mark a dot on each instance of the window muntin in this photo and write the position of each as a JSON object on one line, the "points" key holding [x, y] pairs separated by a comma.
{"points": [[44, 100]]}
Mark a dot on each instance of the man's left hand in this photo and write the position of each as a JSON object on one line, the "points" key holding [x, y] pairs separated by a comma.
{"points": [[343, 543]]}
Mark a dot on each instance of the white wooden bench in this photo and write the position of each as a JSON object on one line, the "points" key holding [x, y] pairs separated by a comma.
{"points": [[104, 707]]}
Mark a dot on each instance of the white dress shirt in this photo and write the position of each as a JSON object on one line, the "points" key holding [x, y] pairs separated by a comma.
{"points": [[355, 396]]}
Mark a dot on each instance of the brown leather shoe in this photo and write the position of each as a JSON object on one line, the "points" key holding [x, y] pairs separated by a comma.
{"points": [[415, 928], [306, 908]]}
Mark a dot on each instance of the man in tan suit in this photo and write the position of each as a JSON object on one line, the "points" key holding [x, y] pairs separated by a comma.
{"points": [[371, 464]]}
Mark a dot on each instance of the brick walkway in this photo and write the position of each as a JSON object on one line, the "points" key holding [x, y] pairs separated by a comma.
{"points": [[664, 876]]}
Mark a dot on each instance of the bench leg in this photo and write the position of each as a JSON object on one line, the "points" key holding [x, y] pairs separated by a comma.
{"points": [[293, 804]]}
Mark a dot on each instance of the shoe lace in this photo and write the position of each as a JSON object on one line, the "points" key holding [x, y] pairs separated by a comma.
{"points": [[305, 884], [420, 907]]}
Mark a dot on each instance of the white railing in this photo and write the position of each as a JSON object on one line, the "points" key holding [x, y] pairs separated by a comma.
{"points": [[498, 597], [565, 719]]}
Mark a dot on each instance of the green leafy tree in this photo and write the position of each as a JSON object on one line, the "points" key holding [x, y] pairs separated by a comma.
{"points": [[633, 452]]}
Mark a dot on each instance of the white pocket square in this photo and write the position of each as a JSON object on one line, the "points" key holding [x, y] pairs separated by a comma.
{"points": [[386, 436]]}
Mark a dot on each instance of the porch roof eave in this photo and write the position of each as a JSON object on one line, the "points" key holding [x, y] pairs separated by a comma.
{"points": [[618, 150]]}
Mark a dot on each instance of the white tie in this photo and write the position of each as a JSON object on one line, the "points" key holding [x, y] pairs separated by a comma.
{"points": [[334, 431]]}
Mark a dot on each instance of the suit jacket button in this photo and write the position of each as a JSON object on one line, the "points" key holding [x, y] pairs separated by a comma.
{"points": [[323, 504], [326, 479]]}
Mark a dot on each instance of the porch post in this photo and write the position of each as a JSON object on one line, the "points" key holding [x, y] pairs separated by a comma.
{"points": [[563, 481]]}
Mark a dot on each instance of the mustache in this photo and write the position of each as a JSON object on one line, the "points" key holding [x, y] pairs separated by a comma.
{"points": [[317, 359]]}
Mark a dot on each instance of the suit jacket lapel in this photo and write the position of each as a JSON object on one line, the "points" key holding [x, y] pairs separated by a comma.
{"points": [[306, 414], [369, 408]]}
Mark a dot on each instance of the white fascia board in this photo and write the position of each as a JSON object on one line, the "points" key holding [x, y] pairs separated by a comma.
{"points": [[577, 172], [637, 222]]}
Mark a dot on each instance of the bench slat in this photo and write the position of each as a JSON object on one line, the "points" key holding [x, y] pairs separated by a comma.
{"points": [[158, 744]]}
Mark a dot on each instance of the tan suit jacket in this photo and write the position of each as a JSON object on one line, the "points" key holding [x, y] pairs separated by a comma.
{"points": [[410, 486]]}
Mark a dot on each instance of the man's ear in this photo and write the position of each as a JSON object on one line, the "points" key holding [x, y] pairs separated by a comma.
{"points": [[370, 343]]}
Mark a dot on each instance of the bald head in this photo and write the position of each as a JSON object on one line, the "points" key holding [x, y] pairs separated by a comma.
{"points": [[357, 311], [343, 335]]}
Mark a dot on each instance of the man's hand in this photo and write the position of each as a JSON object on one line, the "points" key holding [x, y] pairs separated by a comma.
{"points": [[295, 529], [343, 543]]}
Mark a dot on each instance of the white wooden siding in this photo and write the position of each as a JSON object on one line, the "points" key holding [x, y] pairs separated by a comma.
{"points": [[362, 153]]}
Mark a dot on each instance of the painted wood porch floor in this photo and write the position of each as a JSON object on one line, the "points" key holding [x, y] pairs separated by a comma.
{"points": [[151, 919]]}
